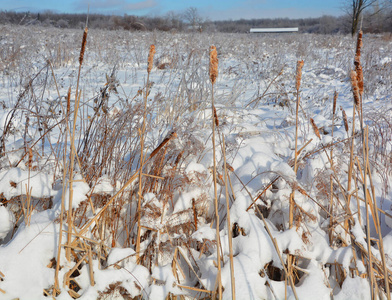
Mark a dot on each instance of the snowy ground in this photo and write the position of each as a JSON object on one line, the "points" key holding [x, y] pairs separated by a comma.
{"points": [[255, 99]]}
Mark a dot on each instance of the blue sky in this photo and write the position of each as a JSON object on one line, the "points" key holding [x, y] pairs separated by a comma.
{"points": [[213, 9]]}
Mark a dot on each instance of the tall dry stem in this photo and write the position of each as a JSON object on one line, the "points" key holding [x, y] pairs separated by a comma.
{"points": [[331, 194], [142, 131], [298, 77], [56, 288], [229, 226], [72, 150], [213, 77]]}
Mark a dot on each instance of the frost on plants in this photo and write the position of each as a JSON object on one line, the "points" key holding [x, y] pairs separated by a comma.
{"points": [[197, 166]]}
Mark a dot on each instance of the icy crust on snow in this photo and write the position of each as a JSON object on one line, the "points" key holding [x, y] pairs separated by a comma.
{"points": [[260, 146], [25, 258], [6, 222], [16, 182], [184, 200], [167, 283], [79, 194]]}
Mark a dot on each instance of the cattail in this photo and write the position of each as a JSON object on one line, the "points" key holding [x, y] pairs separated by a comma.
{"points": [[360, 79], [357, 63], [335, 98], [357, 59], [216, 117], [83, 48], [213, 64], [69, 101], [354, 84], [30, 161], [150, 58], [315, 129], [345, 120], [168, 138], [298, 75]]}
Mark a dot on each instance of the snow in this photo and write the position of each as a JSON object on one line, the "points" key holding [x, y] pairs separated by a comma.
{"points": [[6, 223], [177, 192]]}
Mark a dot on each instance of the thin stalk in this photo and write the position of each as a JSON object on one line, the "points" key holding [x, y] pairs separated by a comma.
{"points": [[56, 288], [229, 226], [72, 157], [150, 60], [216, 199]]}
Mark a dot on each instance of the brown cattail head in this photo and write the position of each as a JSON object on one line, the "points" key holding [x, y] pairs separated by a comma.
{"points": [[229, 167], [213, 64], [30, 162], [315, 129], [150, 58], [69, 101], [357, 59], [355, 88], [335, 98], [345, 120], [216, 117], [360, 79], [83, 48], [298, 75]]}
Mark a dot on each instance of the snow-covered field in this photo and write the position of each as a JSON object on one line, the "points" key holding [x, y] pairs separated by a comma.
{"points": [[299, 228]]}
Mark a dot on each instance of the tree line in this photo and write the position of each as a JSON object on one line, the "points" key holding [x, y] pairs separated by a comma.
{"points": [[373, 20]]}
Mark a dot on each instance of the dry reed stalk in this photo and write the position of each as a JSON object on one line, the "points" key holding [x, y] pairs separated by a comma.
{"points": [[298, 77], [229, 226], [90, 266], [350, 172], [100, 213], [366, 196], [374, 208], [142, 131], [331, 206], [72, 150], [213, 76], [56, 288], [28, 210], [70, 178]]}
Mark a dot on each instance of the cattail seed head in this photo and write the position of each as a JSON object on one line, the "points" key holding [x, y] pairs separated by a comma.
{"points": [[345, 120], [30, 161], [69, 101], [355, 88], [335, 98], [83, 48], [216, 117], [229, 167], [298, 75], [213, 64], [357, 59], [315, 128], [150, 59], [360, 78]]}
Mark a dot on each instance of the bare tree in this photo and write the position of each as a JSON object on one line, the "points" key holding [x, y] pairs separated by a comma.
{"points": [[191, 15], [355, 10]]}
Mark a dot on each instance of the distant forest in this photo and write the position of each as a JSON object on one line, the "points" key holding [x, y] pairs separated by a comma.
{"points": [[191, 21]]}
